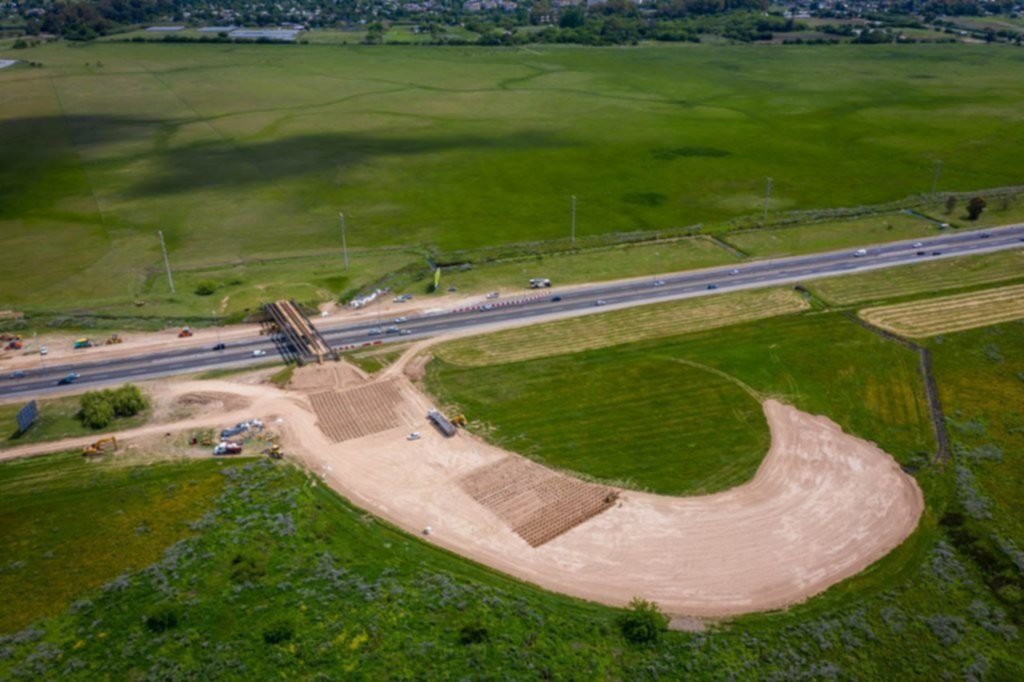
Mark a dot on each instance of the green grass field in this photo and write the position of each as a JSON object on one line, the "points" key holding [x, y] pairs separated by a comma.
{"points": [[69, 525], [248, 152], [981, 381], [645, 420], [280, 578], [588, 332], [633, 413]]}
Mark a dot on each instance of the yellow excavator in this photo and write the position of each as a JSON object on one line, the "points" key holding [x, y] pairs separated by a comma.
{"points": [[100, 447], [459, 420]]}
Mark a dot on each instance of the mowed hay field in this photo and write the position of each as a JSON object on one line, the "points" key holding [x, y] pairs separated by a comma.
{"points": [[620, 326], [639, 419], [921, 278], [249, 152], [674, 415], [950, 313]]}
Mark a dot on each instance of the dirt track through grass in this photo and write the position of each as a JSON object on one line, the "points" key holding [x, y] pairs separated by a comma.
{"points": [[621, 326], [950, 313]]}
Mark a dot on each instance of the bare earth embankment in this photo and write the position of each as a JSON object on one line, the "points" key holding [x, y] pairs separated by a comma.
{"points": [[823, 505]]}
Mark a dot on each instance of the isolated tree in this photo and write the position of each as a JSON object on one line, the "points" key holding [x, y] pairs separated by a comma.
{"points": [[950, 203], [974, 207]]}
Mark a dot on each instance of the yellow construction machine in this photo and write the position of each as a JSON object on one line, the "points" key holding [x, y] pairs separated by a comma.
{"points": [[459, 420], [100, 447]]}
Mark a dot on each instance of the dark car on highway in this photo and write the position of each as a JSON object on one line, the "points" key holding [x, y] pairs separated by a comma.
{"points": [[16, 375], [71, 378], [219, 346]]}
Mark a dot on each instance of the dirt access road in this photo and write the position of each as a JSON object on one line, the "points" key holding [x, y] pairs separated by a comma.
{"points": [[822, 507]]}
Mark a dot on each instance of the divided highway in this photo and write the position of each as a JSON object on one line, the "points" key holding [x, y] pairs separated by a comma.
{"points": [[578, 300]]}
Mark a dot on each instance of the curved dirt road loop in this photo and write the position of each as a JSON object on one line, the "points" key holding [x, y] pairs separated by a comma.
{"points": [[823, 506]]}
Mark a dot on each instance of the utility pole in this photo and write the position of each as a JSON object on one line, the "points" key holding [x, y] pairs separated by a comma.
{"points": [[572, 224], [167, 262], [767, 196], [935, 178], [344, 245]]}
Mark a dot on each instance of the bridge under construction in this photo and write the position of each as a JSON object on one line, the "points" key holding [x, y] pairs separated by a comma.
{"points": [[296, 329]]}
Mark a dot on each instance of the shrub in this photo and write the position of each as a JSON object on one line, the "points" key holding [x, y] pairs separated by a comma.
{"points": [[643, 623], [205, 288], [128, 401], [96, 410], [474, 633], [163, 618], [279, 631]]}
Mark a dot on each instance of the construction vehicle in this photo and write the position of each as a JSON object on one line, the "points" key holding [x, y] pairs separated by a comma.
{"points": [[255, 425], [83, 342], [274, 451], [185, 333], [100, 447], [459, 420], [113, 340], [13, 345], [228, 447]]}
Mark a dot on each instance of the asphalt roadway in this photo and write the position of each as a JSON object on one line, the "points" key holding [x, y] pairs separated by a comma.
{"points": [[575, 301]]}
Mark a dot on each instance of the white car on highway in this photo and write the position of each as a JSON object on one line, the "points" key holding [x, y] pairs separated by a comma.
{"points": [[258, 353]]}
